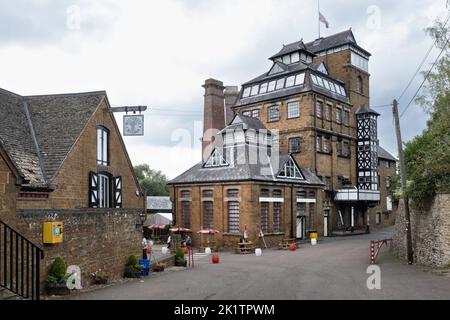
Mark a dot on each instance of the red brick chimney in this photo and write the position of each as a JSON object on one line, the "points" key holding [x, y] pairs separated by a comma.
{"points": [[213, 112]]}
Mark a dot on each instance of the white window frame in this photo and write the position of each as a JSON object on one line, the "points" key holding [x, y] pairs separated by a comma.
{"points": [[102, 146], [295, 104]]}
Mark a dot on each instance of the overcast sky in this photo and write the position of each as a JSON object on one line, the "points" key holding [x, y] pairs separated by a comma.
{"points": [[158, 53]]}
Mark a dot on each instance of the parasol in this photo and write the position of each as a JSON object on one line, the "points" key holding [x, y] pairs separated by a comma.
{"points": [[179, 229]]}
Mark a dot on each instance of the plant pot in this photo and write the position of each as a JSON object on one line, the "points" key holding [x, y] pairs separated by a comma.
{"points": [[180, 263], [101, 281], [58, 289], [132, 274], [158, 268]]}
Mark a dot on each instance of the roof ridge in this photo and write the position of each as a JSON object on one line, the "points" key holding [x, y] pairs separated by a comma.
{"points": [[87, 93], [10, 93]]}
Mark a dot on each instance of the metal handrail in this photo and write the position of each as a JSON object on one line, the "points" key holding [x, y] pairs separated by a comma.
{"points": [[19, 263]]}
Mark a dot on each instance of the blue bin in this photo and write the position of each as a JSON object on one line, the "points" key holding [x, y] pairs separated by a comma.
{"points": [[145, 264]]}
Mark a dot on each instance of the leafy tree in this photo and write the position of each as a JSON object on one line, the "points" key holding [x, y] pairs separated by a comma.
{"points": [[152, 181], [427, 156]]}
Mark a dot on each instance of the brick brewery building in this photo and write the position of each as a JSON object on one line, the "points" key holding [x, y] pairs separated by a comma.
{"points": [[63, 159], [310, 114]]}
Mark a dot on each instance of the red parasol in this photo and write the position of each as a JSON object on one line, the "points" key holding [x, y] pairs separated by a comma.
{"points": [[208, 231], [179, 229], [157, 226]]}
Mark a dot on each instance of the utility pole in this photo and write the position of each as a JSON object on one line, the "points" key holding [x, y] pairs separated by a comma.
{"points": [[403, 181]]}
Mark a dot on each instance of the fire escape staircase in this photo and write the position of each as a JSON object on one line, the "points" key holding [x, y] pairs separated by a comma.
{"points": [[20, 262]]}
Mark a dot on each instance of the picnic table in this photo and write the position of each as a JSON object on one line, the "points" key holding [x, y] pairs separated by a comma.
{"points": [[245, 247]]}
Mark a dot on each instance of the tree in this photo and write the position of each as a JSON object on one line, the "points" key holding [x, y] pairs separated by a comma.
{"points": [[153, 182], [427, 156]]}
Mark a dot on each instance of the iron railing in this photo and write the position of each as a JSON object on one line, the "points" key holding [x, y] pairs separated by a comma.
{"points": [[20, 262]]}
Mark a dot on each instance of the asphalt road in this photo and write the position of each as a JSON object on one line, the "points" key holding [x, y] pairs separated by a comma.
{"points": [[334, 269]]}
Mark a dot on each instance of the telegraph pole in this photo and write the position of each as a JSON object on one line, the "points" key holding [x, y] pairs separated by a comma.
{"points": [[409, 249]]}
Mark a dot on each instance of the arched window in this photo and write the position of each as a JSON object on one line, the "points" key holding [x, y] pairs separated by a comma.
{"points": [[359, 85], [102, 145]]}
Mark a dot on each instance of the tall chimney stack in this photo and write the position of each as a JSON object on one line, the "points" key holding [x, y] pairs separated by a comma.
{"points": [[213, 112], [231, 96]]}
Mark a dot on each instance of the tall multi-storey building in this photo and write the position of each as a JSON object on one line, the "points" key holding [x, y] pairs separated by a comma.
{"points": [[315, 100]]}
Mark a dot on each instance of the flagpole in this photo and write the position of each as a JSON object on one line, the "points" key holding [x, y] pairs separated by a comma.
{"points": [[318, 16]]}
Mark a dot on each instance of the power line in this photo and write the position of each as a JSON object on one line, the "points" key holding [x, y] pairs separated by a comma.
{"points": [[426, 77], [422, 62]]}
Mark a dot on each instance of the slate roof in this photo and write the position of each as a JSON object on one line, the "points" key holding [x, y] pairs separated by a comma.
{"points": [[245, 122], [159, 203], [295, 67], [241, 172], [366, 109], [383, 154], [39, 131], [333, 41], [289, 48]]}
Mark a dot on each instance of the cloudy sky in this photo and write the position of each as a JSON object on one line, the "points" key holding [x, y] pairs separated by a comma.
{"points": [[158, 53]]}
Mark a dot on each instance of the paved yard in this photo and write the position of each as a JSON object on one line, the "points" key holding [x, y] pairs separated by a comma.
{"points": [[334, 269]]}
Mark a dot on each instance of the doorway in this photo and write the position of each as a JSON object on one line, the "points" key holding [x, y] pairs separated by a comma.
{"points": [[301, 227]]}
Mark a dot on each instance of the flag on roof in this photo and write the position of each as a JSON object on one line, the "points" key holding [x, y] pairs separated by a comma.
{"points": [[323, 20]]}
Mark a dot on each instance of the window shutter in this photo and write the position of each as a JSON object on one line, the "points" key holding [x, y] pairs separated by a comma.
{"points": [[93, 190], [118, 192]]}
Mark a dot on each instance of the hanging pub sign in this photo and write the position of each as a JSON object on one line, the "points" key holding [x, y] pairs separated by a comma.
{"points": [[133, 125]]}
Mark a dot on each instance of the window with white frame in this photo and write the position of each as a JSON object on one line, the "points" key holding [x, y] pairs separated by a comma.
{"points": [[246, 92], [104, 191], [215, 160], [274, 113], [327, 111], [293, 109], [290, 170], [102, 146], [299, 79], [290, 81], [271, 86], [233, 217], [255, 89], [263, 88], [319, 106], [276, 212], [346, 118], [280, 84], [255, 113]]}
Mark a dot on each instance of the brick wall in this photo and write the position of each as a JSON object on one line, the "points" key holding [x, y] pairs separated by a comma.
{"points": [[430, 232], [92, 239]]}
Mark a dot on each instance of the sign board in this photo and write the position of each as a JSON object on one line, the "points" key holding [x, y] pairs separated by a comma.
{"points": [[133, 125]]}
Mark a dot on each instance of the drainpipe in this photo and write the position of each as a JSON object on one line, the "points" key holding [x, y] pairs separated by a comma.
{"points": [[174, 207], [293, 214], [315, 134]]}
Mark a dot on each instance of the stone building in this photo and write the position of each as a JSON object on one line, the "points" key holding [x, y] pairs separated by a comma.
{"points": [[315, 101], [63, 159]]}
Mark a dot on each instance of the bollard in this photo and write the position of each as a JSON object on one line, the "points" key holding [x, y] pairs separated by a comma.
{"points": [[372, 252]]}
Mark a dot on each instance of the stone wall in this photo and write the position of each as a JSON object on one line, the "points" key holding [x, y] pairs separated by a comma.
{"points": [[92, 239], [430, 232], [8, 193]]}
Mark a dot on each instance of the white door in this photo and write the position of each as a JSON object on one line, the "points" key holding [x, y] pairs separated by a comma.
{"points": [[300, 227], [325, 226]]}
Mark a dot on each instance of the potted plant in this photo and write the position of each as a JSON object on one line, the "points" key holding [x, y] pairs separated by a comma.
{"points": [[132, 268], [179, 258], [100, 276], [159, 267], [56, 282]]}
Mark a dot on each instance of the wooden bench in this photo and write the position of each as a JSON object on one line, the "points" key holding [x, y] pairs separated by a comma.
{"points": [[245, 247], [286, 243]]}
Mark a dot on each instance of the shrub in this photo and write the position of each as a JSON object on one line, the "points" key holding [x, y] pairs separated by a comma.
{"points": [[179, 254], [57, 272], [132, 261]]}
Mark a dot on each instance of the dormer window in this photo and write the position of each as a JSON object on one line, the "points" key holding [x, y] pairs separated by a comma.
{"points": [[215, 160], [290, 170], [276, 69]]}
